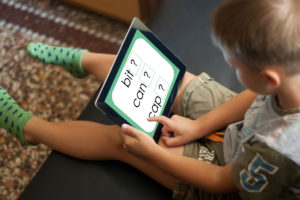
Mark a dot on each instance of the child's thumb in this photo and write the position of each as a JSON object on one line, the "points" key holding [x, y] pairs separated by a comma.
{"points": [[129, 130]]}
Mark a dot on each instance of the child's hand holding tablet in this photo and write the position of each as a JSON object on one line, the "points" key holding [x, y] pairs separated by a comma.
{"points": [[143, 81]]}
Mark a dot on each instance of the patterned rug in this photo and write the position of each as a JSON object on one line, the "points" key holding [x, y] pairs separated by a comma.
{"points": [[47, 91]]}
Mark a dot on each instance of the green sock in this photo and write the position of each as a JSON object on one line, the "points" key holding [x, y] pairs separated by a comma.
{"points": [[68, 58], [12, 117]]}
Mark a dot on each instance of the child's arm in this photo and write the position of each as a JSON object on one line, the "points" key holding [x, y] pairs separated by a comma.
{"points": [[186, 130], [203, 175], [206, 176]]}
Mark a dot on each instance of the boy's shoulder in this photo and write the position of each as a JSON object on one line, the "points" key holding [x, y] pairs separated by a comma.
{"points": [[278, 129]]}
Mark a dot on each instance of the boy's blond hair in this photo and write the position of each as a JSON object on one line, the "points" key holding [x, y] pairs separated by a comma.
{"points": [[260, 32]]}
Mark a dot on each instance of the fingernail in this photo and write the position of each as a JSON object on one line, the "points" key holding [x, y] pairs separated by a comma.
{"points": [[124, 126]]}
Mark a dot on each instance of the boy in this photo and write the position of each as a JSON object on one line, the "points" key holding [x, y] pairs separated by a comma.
{"points": [[260, 40]]}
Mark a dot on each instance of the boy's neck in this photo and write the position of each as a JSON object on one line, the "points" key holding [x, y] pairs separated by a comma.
{"points": [[289, 93]]}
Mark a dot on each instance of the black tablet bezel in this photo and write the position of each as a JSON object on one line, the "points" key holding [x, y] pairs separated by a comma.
{"points": [[100, 101]]}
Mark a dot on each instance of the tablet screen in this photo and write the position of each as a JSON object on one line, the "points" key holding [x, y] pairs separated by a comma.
{"points": [[142, 83]]}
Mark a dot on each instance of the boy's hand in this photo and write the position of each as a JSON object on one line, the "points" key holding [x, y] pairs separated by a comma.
{"points": [[176, 130], [137, 142]]}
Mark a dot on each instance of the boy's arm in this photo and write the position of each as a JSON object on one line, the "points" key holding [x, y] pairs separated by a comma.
{"points": [[208, 177], [185, 130], [227, 113]]}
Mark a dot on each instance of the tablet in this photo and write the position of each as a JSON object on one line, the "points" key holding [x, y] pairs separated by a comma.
{"points": [[143, 81]]}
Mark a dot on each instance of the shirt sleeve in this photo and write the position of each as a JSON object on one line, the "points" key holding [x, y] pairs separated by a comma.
{"points": [[263, 173]]}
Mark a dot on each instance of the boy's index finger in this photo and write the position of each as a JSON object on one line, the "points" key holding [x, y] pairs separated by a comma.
{"points": [[161, 119]]}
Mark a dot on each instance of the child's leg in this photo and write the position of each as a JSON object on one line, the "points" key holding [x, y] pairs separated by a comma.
{"points": [[93, 141], [188, 77], [68, 58], [78, 62], [81, 139], [12, 116], [97, 64]]}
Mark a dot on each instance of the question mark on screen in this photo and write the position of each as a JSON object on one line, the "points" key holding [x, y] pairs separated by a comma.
{"points": [[146, 74], [133, 62], [161, 87]]}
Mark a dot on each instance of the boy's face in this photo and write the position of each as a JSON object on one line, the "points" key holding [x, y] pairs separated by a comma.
{"points": [[250, 79]]}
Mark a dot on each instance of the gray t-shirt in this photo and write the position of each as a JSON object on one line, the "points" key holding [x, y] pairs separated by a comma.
{"points": [[265, 151]]}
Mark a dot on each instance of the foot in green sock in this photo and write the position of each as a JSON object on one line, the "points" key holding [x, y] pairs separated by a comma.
{"points": [[12, 117], [68, 58]]}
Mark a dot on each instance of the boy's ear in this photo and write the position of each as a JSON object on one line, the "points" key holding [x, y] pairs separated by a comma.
{"points": [[273, 76]]}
